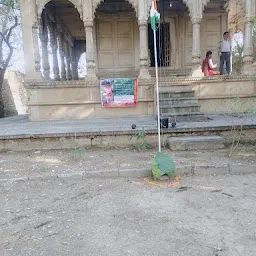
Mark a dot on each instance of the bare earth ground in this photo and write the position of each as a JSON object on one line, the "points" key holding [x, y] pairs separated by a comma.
{"points": [[35, 163], [210, 216]]}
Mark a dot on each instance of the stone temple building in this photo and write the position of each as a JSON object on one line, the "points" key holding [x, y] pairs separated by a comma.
{"points": [[118, 42]]}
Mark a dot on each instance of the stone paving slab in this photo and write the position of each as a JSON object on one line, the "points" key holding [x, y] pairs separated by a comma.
{"points": [[21, 126]]}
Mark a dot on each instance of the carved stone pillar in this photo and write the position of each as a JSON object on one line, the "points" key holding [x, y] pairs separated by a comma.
{"points": [[248, 68], [36, 47], [173, 43], [67, 53], [62, 58], [54, 46], [73, 63], [250, 13], [44, 47], [30, 39], [143, 28], [90, 55], [196, 48]]}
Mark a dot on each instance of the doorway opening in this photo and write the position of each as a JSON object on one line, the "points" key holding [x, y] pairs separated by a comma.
{"points": [[163, 44]]}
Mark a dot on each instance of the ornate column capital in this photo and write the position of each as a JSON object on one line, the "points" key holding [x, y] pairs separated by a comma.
{"points": [[88, 23], [142, 22], [196, 20]]}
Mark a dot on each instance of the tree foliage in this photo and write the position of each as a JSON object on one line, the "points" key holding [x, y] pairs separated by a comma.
{"points": [[14, 4], [9, 21]]}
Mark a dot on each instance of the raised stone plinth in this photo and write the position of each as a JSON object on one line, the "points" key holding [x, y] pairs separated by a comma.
{"points": [[196, 143]]}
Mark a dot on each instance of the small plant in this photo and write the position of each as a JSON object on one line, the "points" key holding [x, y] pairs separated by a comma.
{"points": [[143, 143], [79, 152], [237, 58]]}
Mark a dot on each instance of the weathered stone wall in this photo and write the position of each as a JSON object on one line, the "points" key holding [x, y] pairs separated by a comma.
{"points": [[226, 96], [14, 94]]}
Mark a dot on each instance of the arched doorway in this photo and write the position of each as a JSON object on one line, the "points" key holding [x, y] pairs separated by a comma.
{"points": [[213, 25], [63, 38], [117, 36]]}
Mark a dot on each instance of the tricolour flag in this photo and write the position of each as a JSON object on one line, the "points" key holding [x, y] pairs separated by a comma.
{"points": [[154, 15]]}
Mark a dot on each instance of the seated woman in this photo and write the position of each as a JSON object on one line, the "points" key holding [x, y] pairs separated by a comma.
{"points": [[208, 66]]}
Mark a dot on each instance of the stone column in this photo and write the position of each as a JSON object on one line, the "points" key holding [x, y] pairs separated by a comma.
{"points": [[143, 28], [73, 63], [44, 47], [67, 53], [196, 48], [30, 40], [248, 69], [91, 74], [62, 58], [54, 46], [173, 43]]}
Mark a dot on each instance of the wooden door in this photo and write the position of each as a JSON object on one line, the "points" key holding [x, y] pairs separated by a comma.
{"points": [[115, 43]]}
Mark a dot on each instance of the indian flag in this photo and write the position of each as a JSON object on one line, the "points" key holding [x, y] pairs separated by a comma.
{"points": [[154, 15]]}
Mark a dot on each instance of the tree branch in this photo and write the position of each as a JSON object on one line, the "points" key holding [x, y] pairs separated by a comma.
{"points": [[12, 28], [6, 39]]}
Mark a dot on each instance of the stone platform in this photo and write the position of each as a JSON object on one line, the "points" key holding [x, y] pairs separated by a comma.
{"points": [[182, 98], [19, 133]]}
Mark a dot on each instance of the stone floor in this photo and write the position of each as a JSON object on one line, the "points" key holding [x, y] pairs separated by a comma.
{"points": [[21, 126]]}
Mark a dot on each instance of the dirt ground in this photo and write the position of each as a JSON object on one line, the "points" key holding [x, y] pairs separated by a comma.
{"points": [[209, 216], [44, 163]]}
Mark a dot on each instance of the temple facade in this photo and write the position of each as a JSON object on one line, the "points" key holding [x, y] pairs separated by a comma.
{"points": [[117, 39]]}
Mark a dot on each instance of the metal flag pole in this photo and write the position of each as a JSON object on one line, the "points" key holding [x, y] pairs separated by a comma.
{"points": [[157, 94], [155, 19]]}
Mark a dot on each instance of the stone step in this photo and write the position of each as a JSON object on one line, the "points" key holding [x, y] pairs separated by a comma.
{"points": [[184, 117], [176, 94], [165, 72], [195, 143], [172, 85], [178, 101], [175, 88], [180, 108]]}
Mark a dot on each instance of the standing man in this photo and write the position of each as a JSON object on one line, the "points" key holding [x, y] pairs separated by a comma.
{"points": [[225, 51]]}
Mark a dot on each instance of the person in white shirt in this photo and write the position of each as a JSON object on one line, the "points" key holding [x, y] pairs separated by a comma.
{"points": [[225, 51]]}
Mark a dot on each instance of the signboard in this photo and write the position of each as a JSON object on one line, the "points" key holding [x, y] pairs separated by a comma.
{"points": [[118, 92]]}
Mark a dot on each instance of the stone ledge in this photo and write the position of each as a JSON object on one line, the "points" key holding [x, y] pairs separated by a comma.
{"points": [[84, 83], [77, 103], [124, 132], [227, 97], [192, 170]]}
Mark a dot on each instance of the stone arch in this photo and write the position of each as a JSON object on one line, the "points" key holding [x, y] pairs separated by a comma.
{"points": [[188, 3], [96, 3], [42, 3]]}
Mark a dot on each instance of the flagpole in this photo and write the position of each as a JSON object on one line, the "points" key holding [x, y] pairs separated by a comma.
{"points": [[157, 94]]}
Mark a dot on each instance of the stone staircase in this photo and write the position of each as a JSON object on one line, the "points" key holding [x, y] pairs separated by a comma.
{"points": [[178, 103]]}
